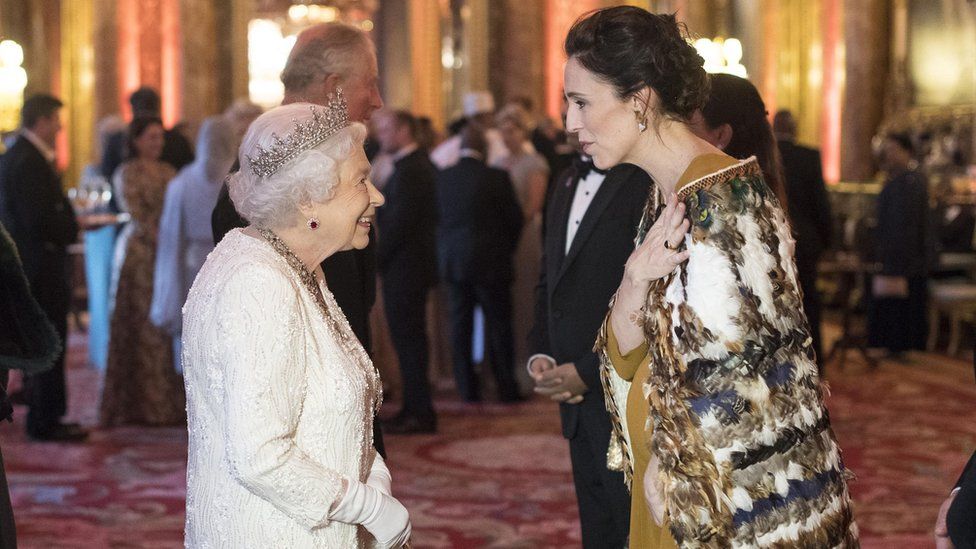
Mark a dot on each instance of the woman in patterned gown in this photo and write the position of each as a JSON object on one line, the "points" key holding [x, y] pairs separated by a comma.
{"points": [[281, 395], [730, 443], [141, 387]]}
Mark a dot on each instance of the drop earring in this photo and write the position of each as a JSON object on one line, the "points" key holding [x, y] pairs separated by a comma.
{"points": [[641, 117], [313, 223]]}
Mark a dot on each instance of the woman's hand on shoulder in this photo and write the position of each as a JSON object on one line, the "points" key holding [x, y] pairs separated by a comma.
{"points": [[660, 252]]}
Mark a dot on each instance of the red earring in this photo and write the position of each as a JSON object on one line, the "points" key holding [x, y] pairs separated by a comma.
{"points": [[313, 223]]}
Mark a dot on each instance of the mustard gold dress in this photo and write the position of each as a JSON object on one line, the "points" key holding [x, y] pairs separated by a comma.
{"points": [[635, 367]]}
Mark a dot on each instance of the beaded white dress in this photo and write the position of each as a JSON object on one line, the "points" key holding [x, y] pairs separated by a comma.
{"points": [[280, 402]]}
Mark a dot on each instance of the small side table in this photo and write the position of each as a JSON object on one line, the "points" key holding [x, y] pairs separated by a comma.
{"points": [[851, 272]]}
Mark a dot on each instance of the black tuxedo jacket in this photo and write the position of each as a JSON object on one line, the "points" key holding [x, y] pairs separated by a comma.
{"points": [[808, 202], [961, 519], [40, 221], [575, 288], [479, 225], [406, 251]]}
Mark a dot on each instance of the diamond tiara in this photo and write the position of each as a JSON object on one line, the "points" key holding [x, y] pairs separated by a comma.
{"points": [[307, 134]]}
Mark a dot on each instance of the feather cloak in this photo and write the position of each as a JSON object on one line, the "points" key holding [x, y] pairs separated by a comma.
{"points": [[737, 416]]}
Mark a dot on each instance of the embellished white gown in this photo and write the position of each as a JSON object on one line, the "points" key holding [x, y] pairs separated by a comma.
{"points": [[278, 411]]}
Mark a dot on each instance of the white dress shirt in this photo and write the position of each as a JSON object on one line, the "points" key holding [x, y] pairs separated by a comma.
{"points": [[586, 189]]}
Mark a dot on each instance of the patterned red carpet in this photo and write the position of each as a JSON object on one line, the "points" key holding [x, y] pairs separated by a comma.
{"points": [[494, 476]]}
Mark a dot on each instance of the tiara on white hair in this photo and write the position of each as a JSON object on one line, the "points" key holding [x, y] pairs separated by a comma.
{"points": [[307, 134]]}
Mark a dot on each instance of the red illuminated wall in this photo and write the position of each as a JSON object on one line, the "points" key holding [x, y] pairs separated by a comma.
{"points": [[149, 53], [559, 17]]}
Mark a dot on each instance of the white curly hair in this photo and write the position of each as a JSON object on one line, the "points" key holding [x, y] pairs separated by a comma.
{"points": [[272, 202]]}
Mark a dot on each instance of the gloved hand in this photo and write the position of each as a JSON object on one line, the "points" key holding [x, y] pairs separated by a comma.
{"points": [[379, 476], [383, 516]]}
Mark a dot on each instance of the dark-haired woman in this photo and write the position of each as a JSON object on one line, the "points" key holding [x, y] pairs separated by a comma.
{"points": [[729, 440], [141, 386], [733, 119]]}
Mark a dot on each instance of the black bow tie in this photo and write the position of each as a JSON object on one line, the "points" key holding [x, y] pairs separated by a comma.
{"points": [[584, 167]]}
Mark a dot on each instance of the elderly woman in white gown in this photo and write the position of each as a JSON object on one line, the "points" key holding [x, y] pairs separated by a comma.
{"points": [[280, 394]]}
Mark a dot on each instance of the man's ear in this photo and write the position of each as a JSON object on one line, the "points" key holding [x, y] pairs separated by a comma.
{"points": [[331, 83]]}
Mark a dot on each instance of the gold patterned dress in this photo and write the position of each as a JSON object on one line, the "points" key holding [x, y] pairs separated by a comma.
{"points": [[141, 386]]}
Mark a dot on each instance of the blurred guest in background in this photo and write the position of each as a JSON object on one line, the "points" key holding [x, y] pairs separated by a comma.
{"points": [[177, 149], [141, 387], [953, 222], [427, 135], [733, 119], [185, 237], [896, 315], [479, 109], [530, 176], [539, 131], [407, 259], [240, 115], [810, 216], [479, 222], [42, 224]]}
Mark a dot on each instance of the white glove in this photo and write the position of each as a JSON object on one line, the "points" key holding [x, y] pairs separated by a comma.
{"points": [[383, 516], [379, 476]]}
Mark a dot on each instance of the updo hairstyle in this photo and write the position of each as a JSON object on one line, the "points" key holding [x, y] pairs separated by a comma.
{"points": [[631, 48], [311, 177]]}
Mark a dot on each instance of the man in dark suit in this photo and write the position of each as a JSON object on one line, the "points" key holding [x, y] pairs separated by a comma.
{"points": [[479, 223], [809, 211], [41, 222], [327, 57], [407, 259], [592, 221]]}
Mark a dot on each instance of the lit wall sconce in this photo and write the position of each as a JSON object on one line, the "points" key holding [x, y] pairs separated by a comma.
{"points": [[722, 56], [267, 51], [13, 80], [312, 14], [304, 14]]}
